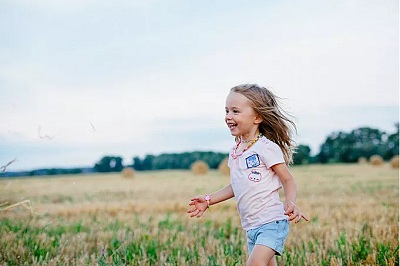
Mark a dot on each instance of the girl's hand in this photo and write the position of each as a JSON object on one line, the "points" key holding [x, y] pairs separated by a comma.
{"points": [[199, 204], [294, 212]]}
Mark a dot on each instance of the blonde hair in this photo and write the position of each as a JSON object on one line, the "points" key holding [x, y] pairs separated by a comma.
{"points": [[275, 124]]}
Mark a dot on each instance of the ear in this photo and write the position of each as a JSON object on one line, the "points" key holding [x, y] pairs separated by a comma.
{"points": [[257, 119]]}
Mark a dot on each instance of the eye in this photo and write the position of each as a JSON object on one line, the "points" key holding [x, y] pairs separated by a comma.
{"points": [[236, 111]]}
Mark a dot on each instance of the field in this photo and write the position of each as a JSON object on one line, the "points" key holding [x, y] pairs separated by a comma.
{"points": [[109, 220]]}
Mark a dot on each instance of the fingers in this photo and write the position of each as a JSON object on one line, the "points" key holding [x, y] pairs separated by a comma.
{"points": [[292, 216], [304, 217], [191, 210], [199, 214], [290, 207], [294, 213], [296, 217], [299, 217], [195, 212], [289, 210], [196, 198]]}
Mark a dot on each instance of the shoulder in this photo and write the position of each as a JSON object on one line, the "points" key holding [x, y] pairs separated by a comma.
{"points": [[267, 143], [270, 151]]}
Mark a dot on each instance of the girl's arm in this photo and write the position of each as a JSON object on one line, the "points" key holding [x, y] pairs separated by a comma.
{"points": [[289, 186], [200, 203]]}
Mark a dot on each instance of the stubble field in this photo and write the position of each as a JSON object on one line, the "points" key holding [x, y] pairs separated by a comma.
{"points": [[105, 219]]}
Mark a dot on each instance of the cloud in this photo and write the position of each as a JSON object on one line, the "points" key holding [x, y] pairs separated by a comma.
{"points": [[102, 76]]}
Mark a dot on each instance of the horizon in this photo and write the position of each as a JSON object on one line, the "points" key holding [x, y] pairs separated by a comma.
{"points": [[10, 164]]}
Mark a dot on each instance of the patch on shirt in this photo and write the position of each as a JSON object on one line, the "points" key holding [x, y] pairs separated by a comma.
{"points": [[252, 161], [255, 176]]}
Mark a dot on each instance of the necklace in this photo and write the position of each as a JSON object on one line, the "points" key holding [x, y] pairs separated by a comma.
{"points": [[235, 155]]}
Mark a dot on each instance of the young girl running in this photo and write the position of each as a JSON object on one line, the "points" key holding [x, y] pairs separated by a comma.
{"points": [[258, 169]]}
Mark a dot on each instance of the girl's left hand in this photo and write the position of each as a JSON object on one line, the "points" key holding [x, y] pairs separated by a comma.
{"points": [[294, 212]]}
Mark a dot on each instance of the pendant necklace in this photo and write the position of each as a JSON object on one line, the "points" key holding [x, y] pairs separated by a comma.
{"points": [[235, 155]]}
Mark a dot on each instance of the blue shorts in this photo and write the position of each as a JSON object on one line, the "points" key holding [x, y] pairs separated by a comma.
{"points": [[272, 235]]}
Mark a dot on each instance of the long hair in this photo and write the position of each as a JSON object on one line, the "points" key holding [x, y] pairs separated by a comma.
{"points": [[275, 124]]}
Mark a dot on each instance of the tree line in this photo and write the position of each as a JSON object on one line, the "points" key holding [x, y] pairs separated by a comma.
{"points": [[338, 147]]}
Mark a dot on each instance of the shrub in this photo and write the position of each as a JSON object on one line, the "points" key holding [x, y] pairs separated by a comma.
{"points": [[199, 168]]}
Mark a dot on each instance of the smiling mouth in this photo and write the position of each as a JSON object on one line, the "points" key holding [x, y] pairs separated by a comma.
{"points": [[232, 126]]}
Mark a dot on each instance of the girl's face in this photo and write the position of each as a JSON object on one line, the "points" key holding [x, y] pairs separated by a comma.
{"points": [[240, 117]]}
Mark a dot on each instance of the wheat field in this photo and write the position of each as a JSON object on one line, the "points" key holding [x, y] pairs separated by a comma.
{"points": [[105, 219]]}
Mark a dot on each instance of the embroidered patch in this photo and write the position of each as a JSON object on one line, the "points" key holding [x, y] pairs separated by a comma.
{"points": [[255, 176], [252, 161]]}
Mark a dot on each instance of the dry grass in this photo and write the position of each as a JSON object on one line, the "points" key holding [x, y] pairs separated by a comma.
{"points": [[347, 205], [362, 160], [376, 160], [128, 172], [200, 167], [395, 162], [223, 167]]}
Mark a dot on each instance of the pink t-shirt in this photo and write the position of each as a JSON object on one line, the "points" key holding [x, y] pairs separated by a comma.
{"points": [[256, 185]]}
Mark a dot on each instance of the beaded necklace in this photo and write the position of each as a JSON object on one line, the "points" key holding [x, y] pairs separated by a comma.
{"points": [[236, 155]]}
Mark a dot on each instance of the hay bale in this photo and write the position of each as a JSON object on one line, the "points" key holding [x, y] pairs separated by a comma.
{"points": [[199, 168], [223, 167], [128, 172], [376, 160], [362, 160], [394, 162]]}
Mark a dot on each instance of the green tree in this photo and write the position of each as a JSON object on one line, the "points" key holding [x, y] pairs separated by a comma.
{"points": [[148, 162], [392, 144], [302, 155], [178, 160], [137, 163], [109, 164], [348, 147], [331, 148]]}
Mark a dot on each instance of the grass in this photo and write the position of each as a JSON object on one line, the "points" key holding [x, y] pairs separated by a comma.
{"points": [[110, 220]]}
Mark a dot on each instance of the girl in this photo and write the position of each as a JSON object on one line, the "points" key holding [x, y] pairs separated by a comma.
{"points": [[258, 169]]}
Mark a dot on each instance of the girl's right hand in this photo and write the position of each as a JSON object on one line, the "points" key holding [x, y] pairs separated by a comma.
{"points": [[199, 204]]}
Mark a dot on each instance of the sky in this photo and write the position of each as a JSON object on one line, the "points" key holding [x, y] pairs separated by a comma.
{"points": [[83, 79]]}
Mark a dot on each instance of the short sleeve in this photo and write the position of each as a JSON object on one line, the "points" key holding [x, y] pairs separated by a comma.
{"points": [[271, 153]]}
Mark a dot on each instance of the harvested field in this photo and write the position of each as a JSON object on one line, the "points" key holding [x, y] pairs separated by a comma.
{"points": [[106, 219]]}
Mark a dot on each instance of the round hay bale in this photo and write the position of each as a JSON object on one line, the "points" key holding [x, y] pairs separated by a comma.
{"points": [[362, 160], [223, 167], [394, 162], [376, 160], [128, 172], [199, 168]]}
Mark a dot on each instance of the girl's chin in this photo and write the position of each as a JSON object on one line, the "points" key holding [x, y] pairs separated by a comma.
{"points": [[233, 133]]}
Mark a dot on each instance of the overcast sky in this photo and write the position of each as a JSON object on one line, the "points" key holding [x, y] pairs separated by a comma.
{"points": [[83, 79]]}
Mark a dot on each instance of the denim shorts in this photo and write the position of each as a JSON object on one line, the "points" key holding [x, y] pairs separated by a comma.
{"points": [[272, 235]]}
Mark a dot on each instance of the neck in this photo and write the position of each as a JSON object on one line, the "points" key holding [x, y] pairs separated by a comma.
{"points": [[247, 139]]}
